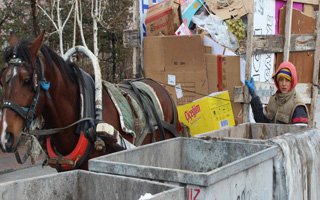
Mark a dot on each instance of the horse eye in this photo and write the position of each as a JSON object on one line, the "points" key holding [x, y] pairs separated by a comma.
{"points": [[27, 81]]}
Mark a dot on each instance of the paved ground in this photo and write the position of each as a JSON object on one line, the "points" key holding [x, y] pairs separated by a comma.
{"points": [[10, 170]]}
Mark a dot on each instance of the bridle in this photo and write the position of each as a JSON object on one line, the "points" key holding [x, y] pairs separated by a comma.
{"points": [[28, 113]]}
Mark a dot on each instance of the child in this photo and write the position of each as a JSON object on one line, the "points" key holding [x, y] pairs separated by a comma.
{"points": [[285, 106]]}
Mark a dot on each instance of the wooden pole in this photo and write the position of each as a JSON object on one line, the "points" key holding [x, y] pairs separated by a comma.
{"points": [[248, 63], [287, 32], [315, 79]]}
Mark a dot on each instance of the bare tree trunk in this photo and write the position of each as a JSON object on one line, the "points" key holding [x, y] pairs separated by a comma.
{"points": [[74, 27], [59, 26], [60, 30], [95, 28], [136, 50], [113, 56], [34, 14], [78, 10]]}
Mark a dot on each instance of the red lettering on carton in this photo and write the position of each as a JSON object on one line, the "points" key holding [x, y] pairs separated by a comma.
{"points": [[192, 113], [154, 27]]}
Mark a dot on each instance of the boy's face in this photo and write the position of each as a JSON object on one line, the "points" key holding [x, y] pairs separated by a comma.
{"points": [[284, 85]]}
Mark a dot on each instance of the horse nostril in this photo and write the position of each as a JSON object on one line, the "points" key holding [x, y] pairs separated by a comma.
{"points": [[9, 141]]}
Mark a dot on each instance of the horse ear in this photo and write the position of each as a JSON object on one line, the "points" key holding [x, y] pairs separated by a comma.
{"points": [[13, 39], [36, 45]]}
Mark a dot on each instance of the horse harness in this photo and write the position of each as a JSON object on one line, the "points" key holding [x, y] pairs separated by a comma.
{"points": [[149, 110], [87, 136]]}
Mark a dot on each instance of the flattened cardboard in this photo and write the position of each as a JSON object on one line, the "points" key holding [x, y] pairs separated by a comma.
{"points": [[237, 8], [163, 18], [173, 53], [304, 61]]}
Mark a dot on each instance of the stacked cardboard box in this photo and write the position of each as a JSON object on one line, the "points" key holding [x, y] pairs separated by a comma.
{"points": [[163, 18], [187, 68]]}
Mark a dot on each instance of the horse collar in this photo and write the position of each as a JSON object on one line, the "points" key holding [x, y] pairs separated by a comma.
{"points": [[72, 160]]}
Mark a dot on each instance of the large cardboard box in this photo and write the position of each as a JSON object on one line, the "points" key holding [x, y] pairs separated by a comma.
{"points": [[206, 114], [173, 53], [185, 86], [178, 63], [163, 18]]}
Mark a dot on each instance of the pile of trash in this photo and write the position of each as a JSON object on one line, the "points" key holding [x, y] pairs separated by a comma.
{"points": [[189, 17]]}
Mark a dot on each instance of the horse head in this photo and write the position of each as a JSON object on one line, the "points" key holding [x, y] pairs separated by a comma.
{"points": [[20, 85]]}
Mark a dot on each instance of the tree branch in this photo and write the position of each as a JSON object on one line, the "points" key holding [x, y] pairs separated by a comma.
{"points": [[46, 14]]}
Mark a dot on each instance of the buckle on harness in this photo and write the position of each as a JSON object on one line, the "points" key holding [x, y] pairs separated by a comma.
{"points": [[61, 161]]}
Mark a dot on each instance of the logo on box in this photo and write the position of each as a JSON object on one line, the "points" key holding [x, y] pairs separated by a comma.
{"points": [[192, 113]]}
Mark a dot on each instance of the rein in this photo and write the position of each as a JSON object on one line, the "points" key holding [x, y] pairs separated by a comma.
{"points": [[53, 131]]}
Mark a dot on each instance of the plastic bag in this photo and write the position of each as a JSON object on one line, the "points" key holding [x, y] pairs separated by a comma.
{"points": [[217, 29]]}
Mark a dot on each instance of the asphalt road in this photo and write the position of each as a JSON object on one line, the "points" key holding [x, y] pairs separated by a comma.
{"points": [[10, 170]]}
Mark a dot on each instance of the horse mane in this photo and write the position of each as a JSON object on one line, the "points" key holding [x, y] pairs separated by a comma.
{"points": [[68, 69]]}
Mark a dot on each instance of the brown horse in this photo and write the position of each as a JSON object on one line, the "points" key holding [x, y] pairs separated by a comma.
{"points": [[37, 82]]}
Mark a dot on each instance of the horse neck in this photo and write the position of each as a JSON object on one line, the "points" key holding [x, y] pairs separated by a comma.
{"points": [[62, 110]]}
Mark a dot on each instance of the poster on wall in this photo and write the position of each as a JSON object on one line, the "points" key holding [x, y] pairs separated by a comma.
{"points": [[144, 5], [263, 24]]}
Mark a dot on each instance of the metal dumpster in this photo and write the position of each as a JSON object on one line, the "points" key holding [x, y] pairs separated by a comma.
{"points": [[208, 170], [84, 185], [255, 131], [296, 167]]}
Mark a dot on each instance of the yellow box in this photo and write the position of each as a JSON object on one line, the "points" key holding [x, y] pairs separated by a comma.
{"points": [[209, 113]]}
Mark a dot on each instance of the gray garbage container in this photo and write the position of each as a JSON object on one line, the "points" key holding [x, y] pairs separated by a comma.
{"points": [[296, 169], [84, 185], [207, 170]]}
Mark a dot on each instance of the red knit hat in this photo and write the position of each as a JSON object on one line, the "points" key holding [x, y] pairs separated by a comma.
{"points": [[283, 67]]}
